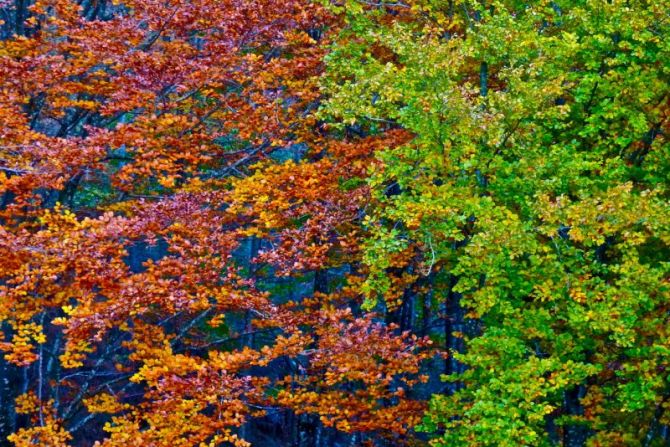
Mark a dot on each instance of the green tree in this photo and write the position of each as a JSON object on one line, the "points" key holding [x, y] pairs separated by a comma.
{"points": [[535, 190]]}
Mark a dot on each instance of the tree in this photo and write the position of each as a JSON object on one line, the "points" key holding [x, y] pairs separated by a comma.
{"points": [[139, 139], [532, 197]]}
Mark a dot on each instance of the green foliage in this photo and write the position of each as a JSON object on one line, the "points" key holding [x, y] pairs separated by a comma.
{"points": [[537, 177]]}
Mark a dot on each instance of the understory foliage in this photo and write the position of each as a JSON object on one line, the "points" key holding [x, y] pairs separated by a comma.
{"points": [[334, 223]]}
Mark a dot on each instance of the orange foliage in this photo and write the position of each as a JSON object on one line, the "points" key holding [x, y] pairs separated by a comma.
{"points": [[167, 111]]}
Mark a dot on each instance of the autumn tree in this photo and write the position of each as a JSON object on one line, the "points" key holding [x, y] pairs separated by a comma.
{"points": [[141, 154]]}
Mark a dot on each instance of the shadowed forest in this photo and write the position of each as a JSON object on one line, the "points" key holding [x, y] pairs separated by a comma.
{"points": [[334, 223]]}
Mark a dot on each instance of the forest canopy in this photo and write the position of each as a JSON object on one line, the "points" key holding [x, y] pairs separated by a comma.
{"points": [[334, 223]]}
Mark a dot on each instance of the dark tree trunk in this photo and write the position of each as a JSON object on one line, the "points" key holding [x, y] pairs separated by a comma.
{"points": [[574, 435]]}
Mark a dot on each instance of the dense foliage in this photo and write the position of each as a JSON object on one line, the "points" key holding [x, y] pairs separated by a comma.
{"points": [[335, 223]]}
